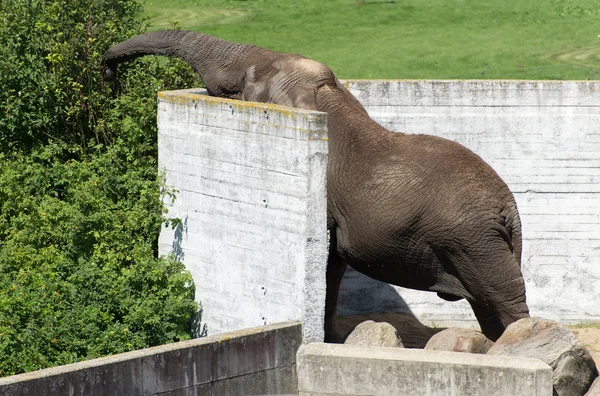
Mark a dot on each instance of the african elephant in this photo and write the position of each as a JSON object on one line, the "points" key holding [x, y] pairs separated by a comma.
{"points": [[415, 211]]}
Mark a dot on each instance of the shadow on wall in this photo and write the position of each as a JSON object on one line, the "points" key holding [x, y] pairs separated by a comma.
{"points": [[363, 298], [360, 294], [198, 329], [180, 230]]}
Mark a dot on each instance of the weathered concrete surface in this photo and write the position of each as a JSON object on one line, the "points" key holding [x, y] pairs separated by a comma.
{"points": [[251, 195], [370, 333], [573, 369], [459, 340], [329, 369], [259, 360], [543, 139]]}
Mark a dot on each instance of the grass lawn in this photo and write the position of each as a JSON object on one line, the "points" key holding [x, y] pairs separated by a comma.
{"points": [[455, 39]]}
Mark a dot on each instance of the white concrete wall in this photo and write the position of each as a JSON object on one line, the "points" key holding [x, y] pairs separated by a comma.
{"points": [[251, 195], [543, 139], [251, 190]]}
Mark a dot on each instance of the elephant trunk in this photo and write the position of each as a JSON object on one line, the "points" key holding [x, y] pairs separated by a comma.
{"points": [[513, 226], [202, 52]]}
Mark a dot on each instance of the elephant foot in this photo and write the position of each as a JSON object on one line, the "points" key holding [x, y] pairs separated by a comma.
{"points": [[332, 336]]}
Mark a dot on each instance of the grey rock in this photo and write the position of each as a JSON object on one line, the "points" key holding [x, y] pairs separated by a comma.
{"points": [[459, 340], [594, 389], [573, 368], [370, 333]]}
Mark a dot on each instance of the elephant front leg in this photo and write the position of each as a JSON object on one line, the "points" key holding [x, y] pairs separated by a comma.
{"points": [[336, 267]]}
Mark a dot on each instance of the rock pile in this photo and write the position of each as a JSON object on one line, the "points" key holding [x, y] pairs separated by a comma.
{"points": [[573, 369]]}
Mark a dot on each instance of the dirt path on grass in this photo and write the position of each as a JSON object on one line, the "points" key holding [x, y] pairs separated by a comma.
{"points": [[589, 56]]}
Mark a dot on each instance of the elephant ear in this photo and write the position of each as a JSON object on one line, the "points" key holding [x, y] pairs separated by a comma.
{"points": [[266, 83], [304, 96]]}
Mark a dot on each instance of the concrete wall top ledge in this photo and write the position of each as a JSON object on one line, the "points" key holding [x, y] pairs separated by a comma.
{"points": [[188, 96], [489, 82], [476, 93], [133, 355], [422, 356]]}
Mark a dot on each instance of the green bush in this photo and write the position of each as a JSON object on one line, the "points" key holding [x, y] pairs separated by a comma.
{"points": [[80, 204]]}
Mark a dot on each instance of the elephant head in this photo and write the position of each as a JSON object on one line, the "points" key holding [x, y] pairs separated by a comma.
{"points": [[416, 211]]}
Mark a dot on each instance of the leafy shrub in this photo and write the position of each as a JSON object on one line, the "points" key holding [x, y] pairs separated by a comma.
{"points": [[80, 205]]}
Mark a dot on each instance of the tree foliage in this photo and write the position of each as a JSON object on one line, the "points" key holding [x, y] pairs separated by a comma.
{"points": [[80, 193]]}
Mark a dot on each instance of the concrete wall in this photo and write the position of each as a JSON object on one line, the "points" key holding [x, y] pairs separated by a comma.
{"points": [[328, 369], [258, 361], [543, 138], [251, 194]]}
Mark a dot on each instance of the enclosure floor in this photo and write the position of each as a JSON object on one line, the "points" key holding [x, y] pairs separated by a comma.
{"points": [[413, 333]]}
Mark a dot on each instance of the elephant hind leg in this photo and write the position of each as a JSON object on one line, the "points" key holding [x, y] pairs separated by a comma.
{"points": [[506, 297], [489, 321], [493, 278]]}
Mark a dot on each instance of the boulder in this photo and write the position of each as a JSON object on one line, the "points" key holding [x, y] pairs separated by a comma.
{"points": [[573, 368], [459, 340], [594, 389], [370, 333]]}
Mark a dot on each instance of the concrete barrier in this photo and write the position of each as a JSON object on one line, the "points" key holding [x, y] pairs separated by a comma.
{"points": [[543, 139], [250, 181], [258, 361], [328, 369]]}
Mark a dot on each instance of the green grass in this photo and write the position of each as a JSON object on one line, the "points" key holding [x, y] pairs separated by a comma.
{"points": [[458, 39]]}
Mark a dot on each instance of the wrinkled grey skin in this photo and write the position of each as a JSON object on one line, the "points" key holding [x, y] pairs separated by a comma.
{"points": [[415, 211]]}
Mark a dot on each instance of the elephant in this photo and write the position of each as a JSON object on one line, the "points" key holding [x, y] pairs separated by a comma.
{"points": [[416, 211]]}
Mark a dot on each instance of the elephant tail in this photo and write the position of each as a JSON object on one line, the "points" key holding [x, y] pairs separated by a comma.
{"points": [[512, 224]]}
